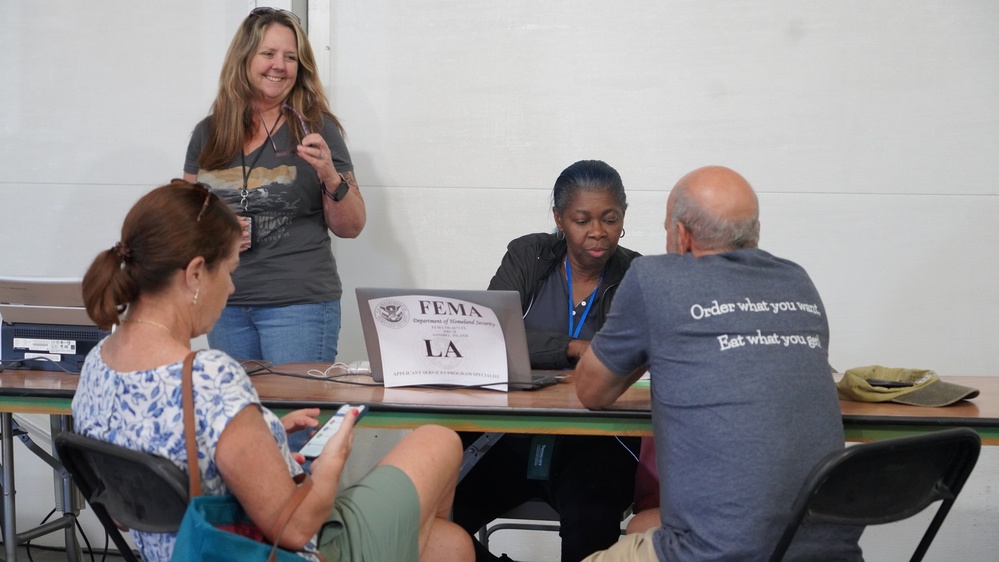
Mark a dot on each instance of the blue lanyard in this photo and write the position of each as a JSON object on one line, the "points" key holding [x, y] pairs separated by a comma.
{"points": [[574, 333]]}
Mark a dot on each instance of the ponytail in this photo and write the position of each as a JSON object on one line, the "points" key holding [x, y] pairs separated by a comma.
{"points": [[107, 288]]}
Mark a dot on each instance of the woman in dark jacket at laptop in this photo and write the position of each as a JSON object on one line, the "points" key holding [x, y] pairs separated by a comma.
{"points": [[588, 480], [529, 262]]}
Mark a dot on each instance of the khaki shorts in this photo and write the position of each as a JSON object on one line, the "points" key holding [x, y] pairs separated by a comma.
{"points": [[639, 547], [376, 519]]}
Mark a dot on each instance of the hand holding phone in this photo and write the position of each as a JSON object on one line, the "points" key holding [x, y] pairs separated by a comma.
{"points": [[315, 445]]}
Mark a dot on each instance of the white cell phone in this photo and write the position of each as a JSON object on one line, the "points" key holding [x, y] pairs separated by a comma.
{"points": [[315, 445]]}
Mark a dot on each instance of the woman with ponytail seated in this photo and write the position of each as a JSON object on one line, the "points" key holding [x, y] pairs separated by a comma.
{"points": [[165, 282]]}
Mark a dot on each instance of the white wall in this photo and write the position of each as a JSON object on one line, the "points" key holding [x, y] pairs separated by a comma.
{"points": [[869, 143], [868, 129]]}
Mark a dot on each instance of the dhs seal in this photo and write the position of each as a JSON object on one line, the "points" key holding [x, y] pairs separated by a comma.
{"points": [[392, 314]]}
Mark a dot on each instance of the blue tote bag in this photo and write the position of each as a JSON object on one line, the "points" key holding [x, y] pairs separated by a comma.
{"points": [[200, 538], [217, 527]]}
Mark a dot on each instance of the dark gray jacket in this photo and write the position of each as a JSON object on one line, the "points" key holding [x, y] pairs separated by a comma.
{"points": [[529, 260]]}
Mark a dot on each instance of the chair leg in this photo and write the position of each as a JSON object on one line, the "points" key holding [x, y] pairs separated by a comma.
{"points": [[931, 531], [114, 533]]}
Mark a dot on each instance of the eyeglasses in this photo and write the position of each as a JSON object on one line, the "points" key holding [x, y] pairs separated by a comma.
{"points": [[208, 198], [284, 153], [265, 10], [197, 185]]}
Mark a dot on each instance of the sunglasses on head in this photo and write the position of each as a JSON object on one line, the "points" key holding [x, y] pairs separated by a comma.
{"points": [[265, 10], [208, 199]]}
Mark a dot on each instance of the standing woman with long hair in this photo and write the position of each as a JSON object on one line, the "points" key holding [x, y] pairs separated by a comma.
{"points": [[274, 152]]}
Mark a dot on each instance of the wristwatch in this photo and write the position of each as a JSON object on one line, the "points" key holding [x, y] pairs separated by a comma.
{"points": [[341, 190]]}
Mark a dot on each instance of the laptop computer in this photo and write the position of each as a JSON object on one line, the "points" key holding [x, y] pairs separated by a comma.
{"points": [[504, 304]]}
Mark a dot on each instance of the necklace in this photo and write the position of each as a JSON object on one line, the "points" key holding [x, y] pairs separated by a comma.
{"points": [[150, 322]]}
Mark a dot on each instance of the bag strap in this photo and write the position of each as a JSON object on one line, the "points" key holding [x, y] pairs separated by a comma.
{"points": [[190, 436], [305, 486], [194, 476]]}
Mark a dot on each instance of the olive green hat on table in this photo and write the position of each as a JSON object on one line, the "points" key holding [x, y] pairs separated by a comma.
{"points": [[903, 386]]}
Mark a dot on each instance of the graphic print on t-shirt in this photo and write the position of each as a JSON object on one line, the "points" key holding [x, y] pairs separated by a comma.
{"points": [[269, 198], [726, 342]]}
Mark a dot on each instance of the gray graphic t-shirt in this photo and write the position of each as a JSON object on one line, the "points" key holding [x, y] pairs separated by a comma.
{"points": [[743, 401], [291, 261]]}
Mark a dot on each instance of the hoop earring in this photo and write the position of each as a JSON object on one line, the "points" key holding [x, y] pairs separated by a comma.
{"points": [[195, 302], [560, 235], [622, 233]]}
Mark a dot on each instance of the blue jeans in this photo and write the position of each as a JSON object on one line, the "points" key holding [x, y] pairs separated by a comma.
{"points": [[279, 334]]}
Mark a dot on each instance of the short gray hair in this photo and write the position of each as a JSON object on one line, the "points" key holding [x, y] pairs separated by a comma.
{"points": [[713, 232]]}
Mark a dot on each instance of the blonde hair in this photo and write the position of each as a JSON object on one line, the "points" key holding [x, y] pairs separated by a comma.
{"points": [[231, 117]]}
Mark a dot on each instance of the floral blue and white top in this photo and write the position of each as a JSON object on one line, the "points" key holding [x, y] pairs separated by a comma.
{"points": [[143, 410]]}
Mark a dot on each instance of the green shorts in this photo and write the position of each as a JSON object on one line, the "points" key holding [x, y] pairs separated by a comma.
{"points": [[376, 519], [639, 547]]}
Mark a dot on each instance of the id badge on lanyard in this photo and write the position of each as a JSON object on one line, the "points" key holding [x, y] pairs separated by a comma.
{"points": [[244, 204]]}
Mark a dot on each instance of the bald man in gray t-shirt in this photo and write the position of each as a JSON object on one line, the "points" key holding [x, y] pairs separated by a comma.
{"points": [[743, 404]]}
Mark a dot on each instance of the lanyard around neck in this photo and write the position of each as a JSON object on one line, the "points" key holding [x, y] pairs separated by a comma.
{"points": [[245, 192], [575, 329]]}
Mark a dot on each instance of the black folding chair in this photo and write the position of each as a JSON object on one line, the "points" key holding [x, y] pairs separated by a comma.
{"points": [[135, 489], [886, 481]]}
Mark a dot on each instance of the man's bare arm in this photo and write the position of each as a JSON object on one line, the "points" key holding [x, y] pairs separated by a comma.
{"points": [[597, 386]]}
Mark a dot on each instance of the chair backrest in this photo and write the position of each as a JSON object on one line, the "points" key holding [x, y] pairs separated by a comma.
{"points": [[886, 481], [139, 490]]}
